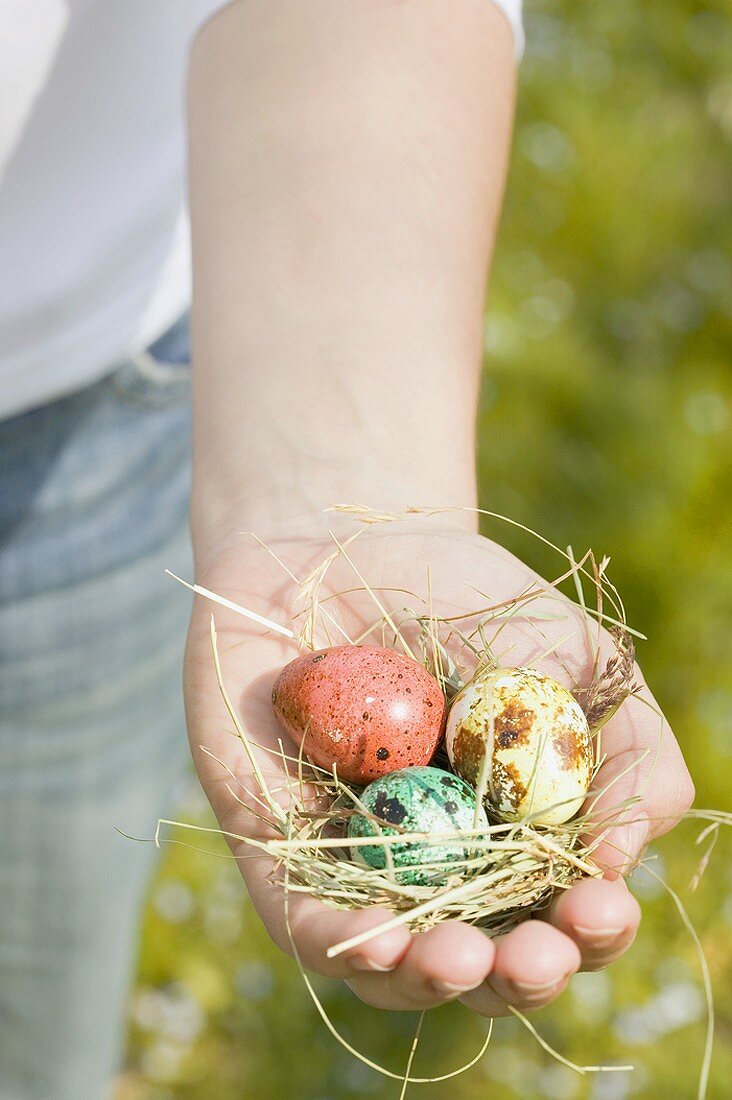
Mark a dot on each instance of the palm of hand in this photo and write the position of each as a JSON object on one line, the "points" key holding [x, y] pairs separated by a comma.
{"points": [[586, 927]]}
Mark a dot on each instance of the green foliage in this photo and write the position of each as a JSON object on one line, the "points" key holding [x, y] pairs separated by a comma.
{"points": [[605, 420]]}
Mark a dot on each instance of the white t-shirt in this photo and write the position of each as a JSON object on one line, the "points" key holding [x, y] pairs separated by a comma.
{"points": [[94, 255]]}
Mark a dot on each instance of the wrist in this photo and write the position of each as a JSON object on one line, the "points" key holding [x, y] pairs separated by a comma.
{"points": [[301, 496], [297, 524]]}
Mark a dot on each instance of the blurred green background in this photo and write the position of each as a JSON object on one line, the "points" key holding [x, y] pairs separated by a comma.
{"points": [[605, 421]]}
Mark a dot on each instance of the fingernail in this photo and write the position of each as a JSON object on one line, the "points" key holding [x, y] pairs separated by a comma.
{"points": [[631, 842], [358, 962], [626, 844], [537, 989], [599, 937], [449, 989]]}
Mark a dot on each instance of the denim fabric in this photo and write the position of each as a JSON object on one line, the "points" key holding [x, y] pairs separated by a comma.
{"points": [[93, 506]]}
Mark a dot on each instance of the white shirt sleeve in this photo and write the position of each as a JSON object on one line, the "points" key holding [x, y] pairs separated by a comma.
{"points": [[512, 10], [205, 9]]}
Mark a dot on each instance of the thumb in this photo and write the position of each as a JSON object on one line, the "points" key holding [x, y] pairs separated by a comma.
{"points": [[642, 789]]}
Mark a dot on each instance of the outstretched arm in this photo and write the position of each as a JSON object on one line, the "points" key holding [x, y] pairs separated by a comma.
{"points": [[347, 162]]}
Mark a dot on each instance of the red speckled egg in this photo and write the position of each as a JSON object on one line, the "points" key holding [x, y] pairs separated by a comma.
{"points": [[366, 709]]}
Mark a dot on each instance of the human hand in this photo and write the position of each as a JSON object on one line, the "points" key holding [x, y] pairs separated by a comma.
{"points": [[586, 927]]}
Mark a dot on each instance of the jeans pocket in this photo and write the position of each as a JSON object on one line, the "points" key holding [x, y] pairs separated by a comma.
{"points": [[159, 377], [148, 383]]}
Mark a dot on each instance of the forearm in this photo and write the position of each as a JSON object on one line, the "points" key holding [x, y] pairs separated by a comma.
{"points": [[347, 160]]}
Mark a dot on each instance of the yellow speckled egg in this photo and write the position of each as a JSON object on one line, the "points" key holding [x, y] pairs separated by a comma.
{"points": [[542, 747]]}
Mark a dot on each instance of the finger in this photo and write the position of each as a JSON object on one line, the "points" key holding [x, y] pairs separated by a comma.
{"points": [[645, 764], [601, 917], [313, 928], [439, 966], [533, 964]]}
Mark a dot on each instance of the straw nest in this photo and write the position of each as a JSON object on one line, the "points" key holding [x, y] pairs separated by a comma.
{"points": [[514, 867]]}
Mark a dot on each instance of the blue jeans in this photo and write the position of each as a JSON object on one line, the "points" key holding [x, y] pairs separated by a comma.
{"points": [[93, 506]]}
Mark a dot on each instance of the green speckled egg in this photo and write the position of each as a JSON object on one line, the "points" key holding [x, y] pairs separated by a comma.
{"points": [[419, 800]]}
